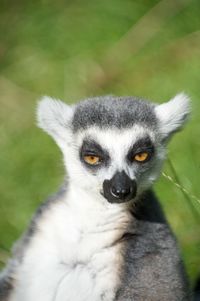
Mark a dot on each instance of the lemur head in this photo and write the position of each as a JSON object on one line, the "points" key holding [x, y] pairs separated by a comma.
{"points": [[113, 146]]}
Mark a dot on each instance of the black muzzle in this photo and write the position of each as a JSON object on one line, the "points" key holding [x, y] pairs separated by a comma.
{"points": [[120, 188]]}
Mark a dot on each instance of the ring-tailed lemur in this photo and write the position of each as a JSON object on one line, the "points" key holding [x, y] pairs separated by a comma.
{"points": [[103, 237]]}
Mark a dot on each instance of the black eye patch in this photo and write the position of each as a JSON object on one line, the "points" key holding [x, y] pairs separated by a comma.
{"points": [[92, 148], [142, 145]]}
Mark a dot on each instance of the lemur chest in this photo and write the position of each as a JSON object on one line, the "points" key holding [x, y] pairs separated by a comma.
{"points": [[73, 260]]}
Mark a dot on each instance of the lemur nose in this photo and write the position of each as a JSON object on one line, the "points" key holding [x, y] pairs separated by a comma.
{"points": [[120, 188], [120, 193]]}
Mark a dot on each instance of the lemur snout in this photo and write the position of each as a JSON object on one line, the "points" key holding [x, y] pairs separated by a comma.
{"points": [[120, 188]]}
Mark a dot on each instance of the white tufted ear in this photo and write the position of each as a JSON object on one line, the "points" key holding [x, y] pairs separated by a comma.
{"points": [[55, 117], [173, 114]]}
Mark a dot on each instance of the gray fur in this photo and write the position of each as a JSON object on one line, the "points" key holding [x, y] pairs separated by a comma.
{"points": [[6, 285], [153, 269], [110, 111], [158, 271]]}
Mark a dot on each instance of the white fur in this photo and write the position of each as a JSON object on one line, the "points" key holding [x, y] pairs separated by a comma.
{"points": [[54, 117], [173, 114], [73, 256]]}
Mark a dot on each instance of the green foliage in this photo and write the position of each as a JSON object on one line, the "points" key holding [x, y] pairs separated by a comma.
{"points": [[74, 49]]}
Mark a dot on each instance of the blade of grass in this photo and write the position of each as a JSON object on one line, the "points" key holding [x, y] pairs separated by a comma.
{"points": [[186, 196]]}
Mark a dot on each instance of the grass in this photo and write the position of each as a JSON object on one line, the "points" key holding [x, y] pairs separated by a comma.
{"points": [[75, 49]]}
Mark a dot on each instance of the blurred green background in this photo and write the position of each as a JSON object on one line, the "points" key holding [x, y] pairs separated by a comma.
{"points": [[75, 49]]}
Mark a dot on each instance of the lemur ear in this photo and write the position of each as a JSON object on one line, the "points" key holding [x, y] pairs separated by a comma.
{"points": [[173, 114], [55, 117]]}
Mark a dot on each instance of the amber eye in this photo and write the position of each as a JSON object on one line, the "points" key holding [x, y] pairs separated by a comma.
{"points": [[141, 157], [92, 159]]}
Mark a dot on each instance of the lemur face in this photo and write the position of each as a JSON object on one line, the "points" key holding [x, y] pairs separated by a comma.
{"points": [[113, 147], [118, 163]]}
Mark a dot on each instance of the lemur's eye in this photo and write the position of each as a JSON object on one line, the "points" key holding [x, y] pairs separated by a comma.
{"points": [[92, 159], [141, 157]]}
